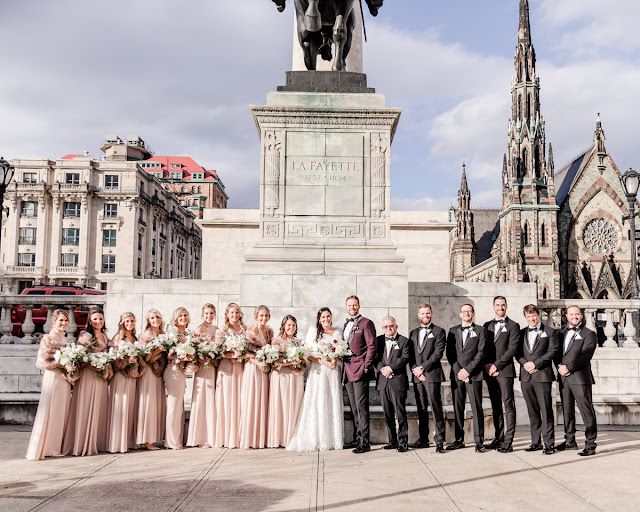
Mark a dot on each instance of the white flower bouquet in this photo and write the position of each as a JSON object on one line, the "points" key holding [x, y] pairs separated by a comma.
{"points": [[71, 356], [127, 350], [184, 350], [297, 355], [100, 360], [235, 343], [164, 341], [268, 354], [332, 350], [208, 350]]}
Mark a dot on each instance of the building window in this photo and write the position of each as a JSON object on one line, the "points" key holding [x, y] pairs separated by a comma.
{"points": [[71, 209], [175, 175], [23, 285], [110, 210], [72, 178], [139, 266], [27, 236], [543, 236], [70, 236], [193, 189], [171, 257], [158, 174], [26, 260], [525, 234], [199, 190], [153, 224], [108, 263], [111, 181], [28, 209], [197, 175], [139, 241], [176, 166], [69, 260], [108, 238], [153, 246], [30, 177]]}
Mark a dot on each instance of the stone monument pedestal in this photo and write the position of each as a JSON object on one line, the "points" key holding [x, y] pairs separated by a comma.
{"points": [[324, 202]]}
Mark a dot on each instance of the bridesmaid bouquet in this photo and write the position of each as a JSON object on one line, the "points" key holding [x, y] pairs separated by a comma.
{"points": [[207, 350], [235, 343], [127, 350], [296, 354], [164, 341], [268, 354], [100, 360], [332, 350], [71, 356]]}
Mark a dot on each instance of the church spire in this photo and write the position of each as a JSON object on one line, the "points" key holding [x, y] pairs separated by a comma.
{"points": [[464, 194], [551, 164], [524, 33], [464, 248]]}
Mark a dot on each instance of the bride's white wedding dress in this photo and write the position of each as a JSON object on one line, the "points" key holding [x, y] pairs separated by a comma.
{"points": [[320, 424]]}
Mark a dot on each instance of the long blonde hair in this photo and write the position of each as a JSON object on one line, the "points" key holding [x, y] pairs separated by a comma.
{"points": [[227, 325], [176, 314], [208, 305], [121, 330], [148, 326]]}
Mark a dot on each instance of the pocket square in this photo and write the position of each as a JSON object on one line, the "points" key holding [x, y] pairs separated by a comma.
{"points": [[430, 336], [578, 337], [544, 335], [396, 347], [473, 334], [504, 329]]}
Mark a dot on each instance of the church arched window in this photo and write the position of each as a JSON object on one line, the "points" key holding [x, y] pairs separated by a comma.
{"points": [[528, 112], [543, 235], [525, 162], [519, 106], [526, 235], [545, 292]]}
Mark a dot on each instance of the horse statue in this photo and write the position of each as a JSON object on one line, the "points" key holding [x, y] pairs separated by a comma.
{"points": [[326, 23]]}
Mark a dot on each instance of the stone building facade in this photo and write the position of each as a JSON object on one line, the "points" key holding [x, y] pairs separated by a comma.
{"points": [[561, 231], [86, 222]]}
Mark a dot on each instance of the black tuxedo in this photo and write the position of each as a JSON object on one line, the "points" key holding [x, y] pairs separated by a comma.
{"points": [[576, 387], [470, 356], [393, 391], [536, 388], [502, 348], [428, 356]]}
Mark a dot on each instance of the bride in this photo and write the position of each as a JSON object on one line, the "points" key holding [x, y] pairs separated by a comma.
{"points": [[320, 424]]}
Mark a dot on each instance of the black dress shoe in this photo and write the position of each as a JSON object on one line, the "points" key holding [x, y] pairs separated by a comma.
{"points": [[480, 448], [567, 446], [403, 448], [587, 451], [548, 450], [362, 448], [352, 444], [505, 448], [456, 445], [493, 445], [533, 448], [390, 446], [439, 448], [419, 444]]}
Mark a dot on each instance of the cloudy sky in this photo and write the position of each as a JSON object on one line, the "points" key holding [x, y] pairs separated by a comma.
{"points": [[181, 74]]}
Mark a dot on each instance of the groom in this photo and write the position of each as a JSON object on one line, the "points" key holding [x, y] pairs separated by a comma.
{"points": [[360, 334]]}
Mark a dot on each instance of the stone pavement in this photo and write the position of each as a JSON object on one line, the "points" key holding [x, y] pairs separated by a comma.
{"points": [[219, 479]]}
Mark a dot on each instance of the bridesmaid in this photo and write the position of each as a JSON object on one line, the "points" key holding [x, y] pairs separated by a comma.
{"points": [[122, 413], [55, 399], [86, 432], [254, 397], [176, 383], [228, 383], [150, 397], [202, 421], [286, 390]]}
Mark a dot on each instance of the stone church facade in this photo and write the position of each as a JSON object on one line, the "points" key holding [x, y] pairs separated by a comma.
{"points": [[560, 230]]}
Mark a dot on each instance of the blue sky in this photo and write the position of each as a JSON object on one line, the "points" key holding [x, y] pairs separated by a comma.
{"points": [[182, 74]]}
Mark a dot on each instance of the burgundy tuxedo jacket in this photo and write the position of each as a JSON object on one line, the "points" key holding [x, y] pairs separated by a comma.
{"points": [[362, 342]]}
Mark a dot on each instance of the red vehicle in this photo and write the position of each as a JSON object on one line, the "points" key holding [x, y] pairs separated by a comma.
{"points": [[40, 312]]}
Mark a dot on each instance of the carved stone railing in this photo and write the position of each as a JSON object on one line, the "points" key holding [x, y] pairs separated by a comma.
{"points": [[50, 302], [619, 317]]}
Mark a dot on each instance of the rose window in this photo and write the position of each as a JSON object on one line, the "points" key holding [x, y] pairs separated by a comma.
{"points": [[600, 237]]}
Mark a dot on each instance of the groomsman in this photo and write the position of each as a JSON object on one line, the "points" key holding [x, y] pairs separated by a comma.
{"points": [[500, 371], [360, 334], [573, 360], [538, 347], [466, 352], [393, 383], [427, 348]]}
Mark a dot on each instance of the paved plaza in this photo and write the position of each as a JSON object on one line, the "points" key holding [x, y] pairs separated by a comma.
{"points": [[221, 479]]}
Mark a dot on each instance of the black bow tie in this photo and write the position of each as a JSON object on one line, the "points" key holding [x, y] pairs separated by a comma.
{"points": [[575, 329], [425, 327], [466, 328], [388, 339], [533, 329], [352, 319]]}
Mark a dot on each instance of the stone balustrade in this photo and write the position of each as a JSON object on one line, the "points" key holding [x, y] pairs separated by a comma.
{"points": [[618, 315], [50, 302]]}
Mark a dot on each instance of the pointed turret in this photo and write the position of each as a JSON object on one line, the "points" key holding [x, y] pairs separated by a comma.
{"points": [[551, 165], [464, 248], [464, 194], [524, 33]]}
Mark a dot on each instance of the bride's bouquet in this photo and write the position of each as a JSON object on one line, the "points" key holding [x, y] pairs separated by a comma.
{"points": [[297, 355], [207, 350], [268, 354], [332, 349], [235, 343], [71, 356]]}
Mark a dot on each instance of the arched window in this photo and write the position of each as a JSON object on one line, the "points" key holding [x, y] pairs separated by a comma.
{"points": [[525, 234], [199, 190], [525, 162], [543, 235], [528, 113], [519, 106], [193, 189], [545, 292], [183, 190]]}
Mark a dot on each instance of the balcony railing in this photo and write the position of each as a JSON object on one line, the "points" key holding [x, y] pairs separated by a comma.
{"points": [[19, 269], [613, 319], [28, 302], [26, 241]]}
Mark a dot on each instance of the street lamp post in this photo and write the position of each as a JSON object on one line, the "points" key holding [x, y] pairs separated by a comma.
{"points": [[630, 183], [6, 175]]}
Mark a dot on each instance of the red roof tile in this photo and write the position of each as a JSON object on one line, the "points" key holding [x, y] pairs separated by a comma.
{"points": [[188, 166]]}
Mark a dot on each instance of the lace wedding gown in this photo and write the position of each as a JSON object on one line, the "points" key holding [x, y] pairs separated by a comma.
{"points": [[320, 424]]}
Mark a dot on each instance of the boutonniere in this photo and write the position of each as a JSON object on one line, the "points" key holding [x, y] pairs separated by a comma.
{"points": [[429, 331], [502, 324], [394, 343], [472, 328]]}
